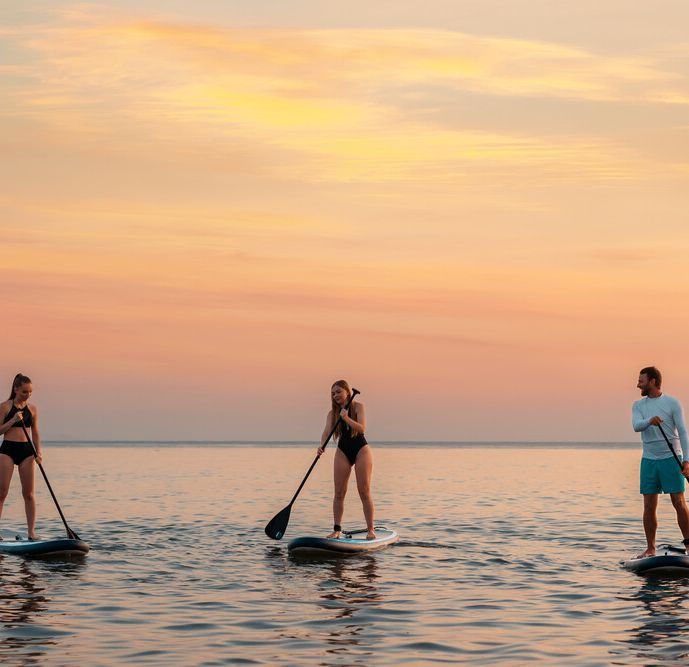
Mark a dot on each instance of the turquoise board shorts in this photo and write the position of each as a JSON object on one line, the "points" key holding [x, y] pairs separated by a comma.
{"points": [[661, 476]]}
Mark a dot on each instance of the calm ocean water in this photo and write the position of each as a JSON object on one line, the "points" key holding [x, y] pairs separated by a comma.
{"points": [[508, 556]]}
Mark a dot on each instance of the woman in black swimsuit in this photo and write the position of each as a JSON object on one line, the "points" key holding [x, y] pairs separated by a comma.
{"points": [[352, 450], [15, 449]]}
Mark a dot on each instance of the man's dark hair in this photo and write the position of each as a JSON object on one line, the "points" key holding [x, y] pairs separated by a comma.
{"points": [[652, 373]]}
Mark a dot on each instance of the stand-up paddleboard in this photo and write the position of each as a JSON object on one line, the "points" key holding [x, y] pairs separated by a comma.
{"points": [[668, 559], [351, 542], [44, 548]]}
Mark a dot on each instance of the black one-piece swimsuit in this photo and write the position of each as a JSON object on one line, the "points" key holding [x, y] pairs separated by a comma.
{"points": [[17, 451], [349, 445]]}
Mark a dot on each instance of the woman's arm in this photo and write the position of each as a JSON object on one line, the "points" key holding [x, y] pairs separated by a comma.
{"points": [[326, 431], [35, 433], [357, 425], [4, 409], [328, 427]]}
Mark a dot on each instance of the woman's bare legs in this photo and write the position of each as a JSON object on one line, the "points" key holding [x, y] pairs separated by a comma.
{"points": [[6, 470], [364, 470], [26, 475], [341, 471]]}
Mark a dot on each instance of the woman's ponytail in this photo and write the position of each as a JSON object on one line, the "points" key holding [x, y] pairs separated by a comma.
{"points": [[19, 380]]}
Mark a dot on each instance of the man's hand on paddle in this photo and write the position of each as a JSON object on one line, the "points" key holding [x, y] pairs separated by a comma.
{"points": [[685, 469], [655, 421]]}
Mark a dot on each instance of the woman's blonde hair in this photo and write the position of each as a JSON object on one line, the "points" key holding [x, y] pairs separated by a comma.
{"points": [[335, 408]]}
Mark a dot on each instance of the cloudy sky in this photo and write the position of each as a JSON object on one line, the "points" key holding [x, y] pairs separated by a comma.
{"points": [[475, 211]]}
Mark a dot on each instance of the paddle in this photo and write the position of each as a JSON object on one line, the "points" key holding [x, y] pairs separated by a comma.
{"points": [[278, 524], [672, 449], [70, 533]]}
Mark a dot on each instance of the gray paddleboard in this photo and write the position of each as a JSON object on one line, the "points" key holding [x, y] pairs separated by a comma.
{"points": [[350, 543], [44, 548], [668, 559]]}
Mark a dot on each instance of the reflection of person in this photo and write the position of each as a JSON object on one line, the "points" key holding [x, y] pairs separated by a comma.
{"points": [[23, 598], [16, 450], [658, 618], [352, 584], [352, 450], [659, 470]]}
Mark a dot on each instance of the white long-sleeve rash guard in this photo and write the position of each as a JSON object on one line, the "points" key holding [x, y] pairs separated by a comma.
{"points": [[669, 410]]}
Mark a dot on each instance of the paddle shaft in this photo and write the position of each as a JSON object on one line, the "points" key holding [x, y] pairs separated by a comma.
{"points": [[672, 449], [70, 533], [324, 445]]}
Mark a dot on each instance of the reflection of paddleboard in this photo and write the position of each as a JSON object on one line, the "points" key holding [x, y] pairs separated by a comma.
{"points": [[351, 542], [44, 548], [669, 559]]}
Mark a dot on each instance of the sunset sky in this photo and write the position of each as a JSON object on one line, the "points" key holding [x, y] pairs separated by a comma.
{"points": [[475, 211]]}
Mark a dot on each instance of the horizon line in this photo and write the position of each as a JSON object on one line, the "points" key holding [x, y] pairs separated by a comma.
{"points": [[313, 442]]}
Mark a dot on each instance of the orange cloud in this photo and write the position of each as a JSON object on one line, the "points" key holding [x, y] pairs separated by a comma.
{"points": [[320, 96]]}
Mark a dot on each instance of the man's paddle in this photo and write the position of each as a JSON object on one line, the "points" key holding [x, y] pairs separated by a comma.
{"points": [[70, 533], [672, 449], [278, 524]]}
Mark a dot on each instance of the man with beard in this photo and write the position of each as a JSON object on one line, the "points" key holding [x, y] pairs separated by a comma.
{"points": [[659, 470]]}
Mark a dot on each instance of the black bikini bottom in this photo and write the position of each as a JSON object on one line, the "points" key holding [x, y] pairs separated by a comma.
{"points": [[17, 451]]}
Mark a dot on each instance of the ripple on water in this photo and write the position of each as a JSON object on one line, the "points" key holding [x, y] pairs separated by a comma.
{"points": [[189, 577]]}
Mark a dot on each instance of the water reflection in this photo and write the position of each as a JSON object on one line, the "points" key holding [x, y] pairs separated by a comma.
{"points": [[21, 593], [347, 592], [344, 582], [23, 600], [352, 583], [665, 607], [347, 588]]}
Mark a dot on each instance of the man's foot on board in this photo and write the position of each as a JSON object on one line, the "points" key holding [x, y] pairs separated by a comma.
{"points": [[371, 535], [34, 538], [336, 535], [648, 553]]}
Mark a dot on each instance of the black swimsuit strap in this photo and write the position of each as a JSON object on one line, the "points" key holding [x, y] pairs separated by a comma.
{"points": [[27, 421], [10, 413]]}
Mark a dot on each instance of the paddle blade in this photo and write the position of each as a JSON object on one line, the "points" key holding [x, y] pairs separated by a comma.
{"points": [[278, 524]]}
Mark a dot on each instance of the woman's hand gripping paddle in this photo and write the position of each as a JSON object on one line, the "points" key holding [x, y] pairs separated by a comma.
{"points": [[278, 524], [70, 533]]}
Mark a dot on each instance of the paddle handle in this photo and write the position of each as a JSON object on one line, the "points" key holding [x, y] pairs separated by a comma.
{"points": [[672, 449], [324, 445], [70, 533]]}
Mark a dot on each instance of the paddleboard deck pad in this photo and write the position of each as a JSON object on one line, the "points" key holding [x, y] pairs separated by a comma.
{"points": [[351, 542], [44, 548], [668, 559]]}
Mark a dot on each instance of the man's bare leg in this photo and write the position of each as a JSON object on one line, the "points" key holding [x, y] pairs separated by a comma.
{"points": [[650, 523]]}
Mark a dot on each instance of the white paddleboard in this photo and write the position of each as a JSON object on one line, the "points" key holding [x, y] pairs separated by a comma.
{"points": [[351, 542]]}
